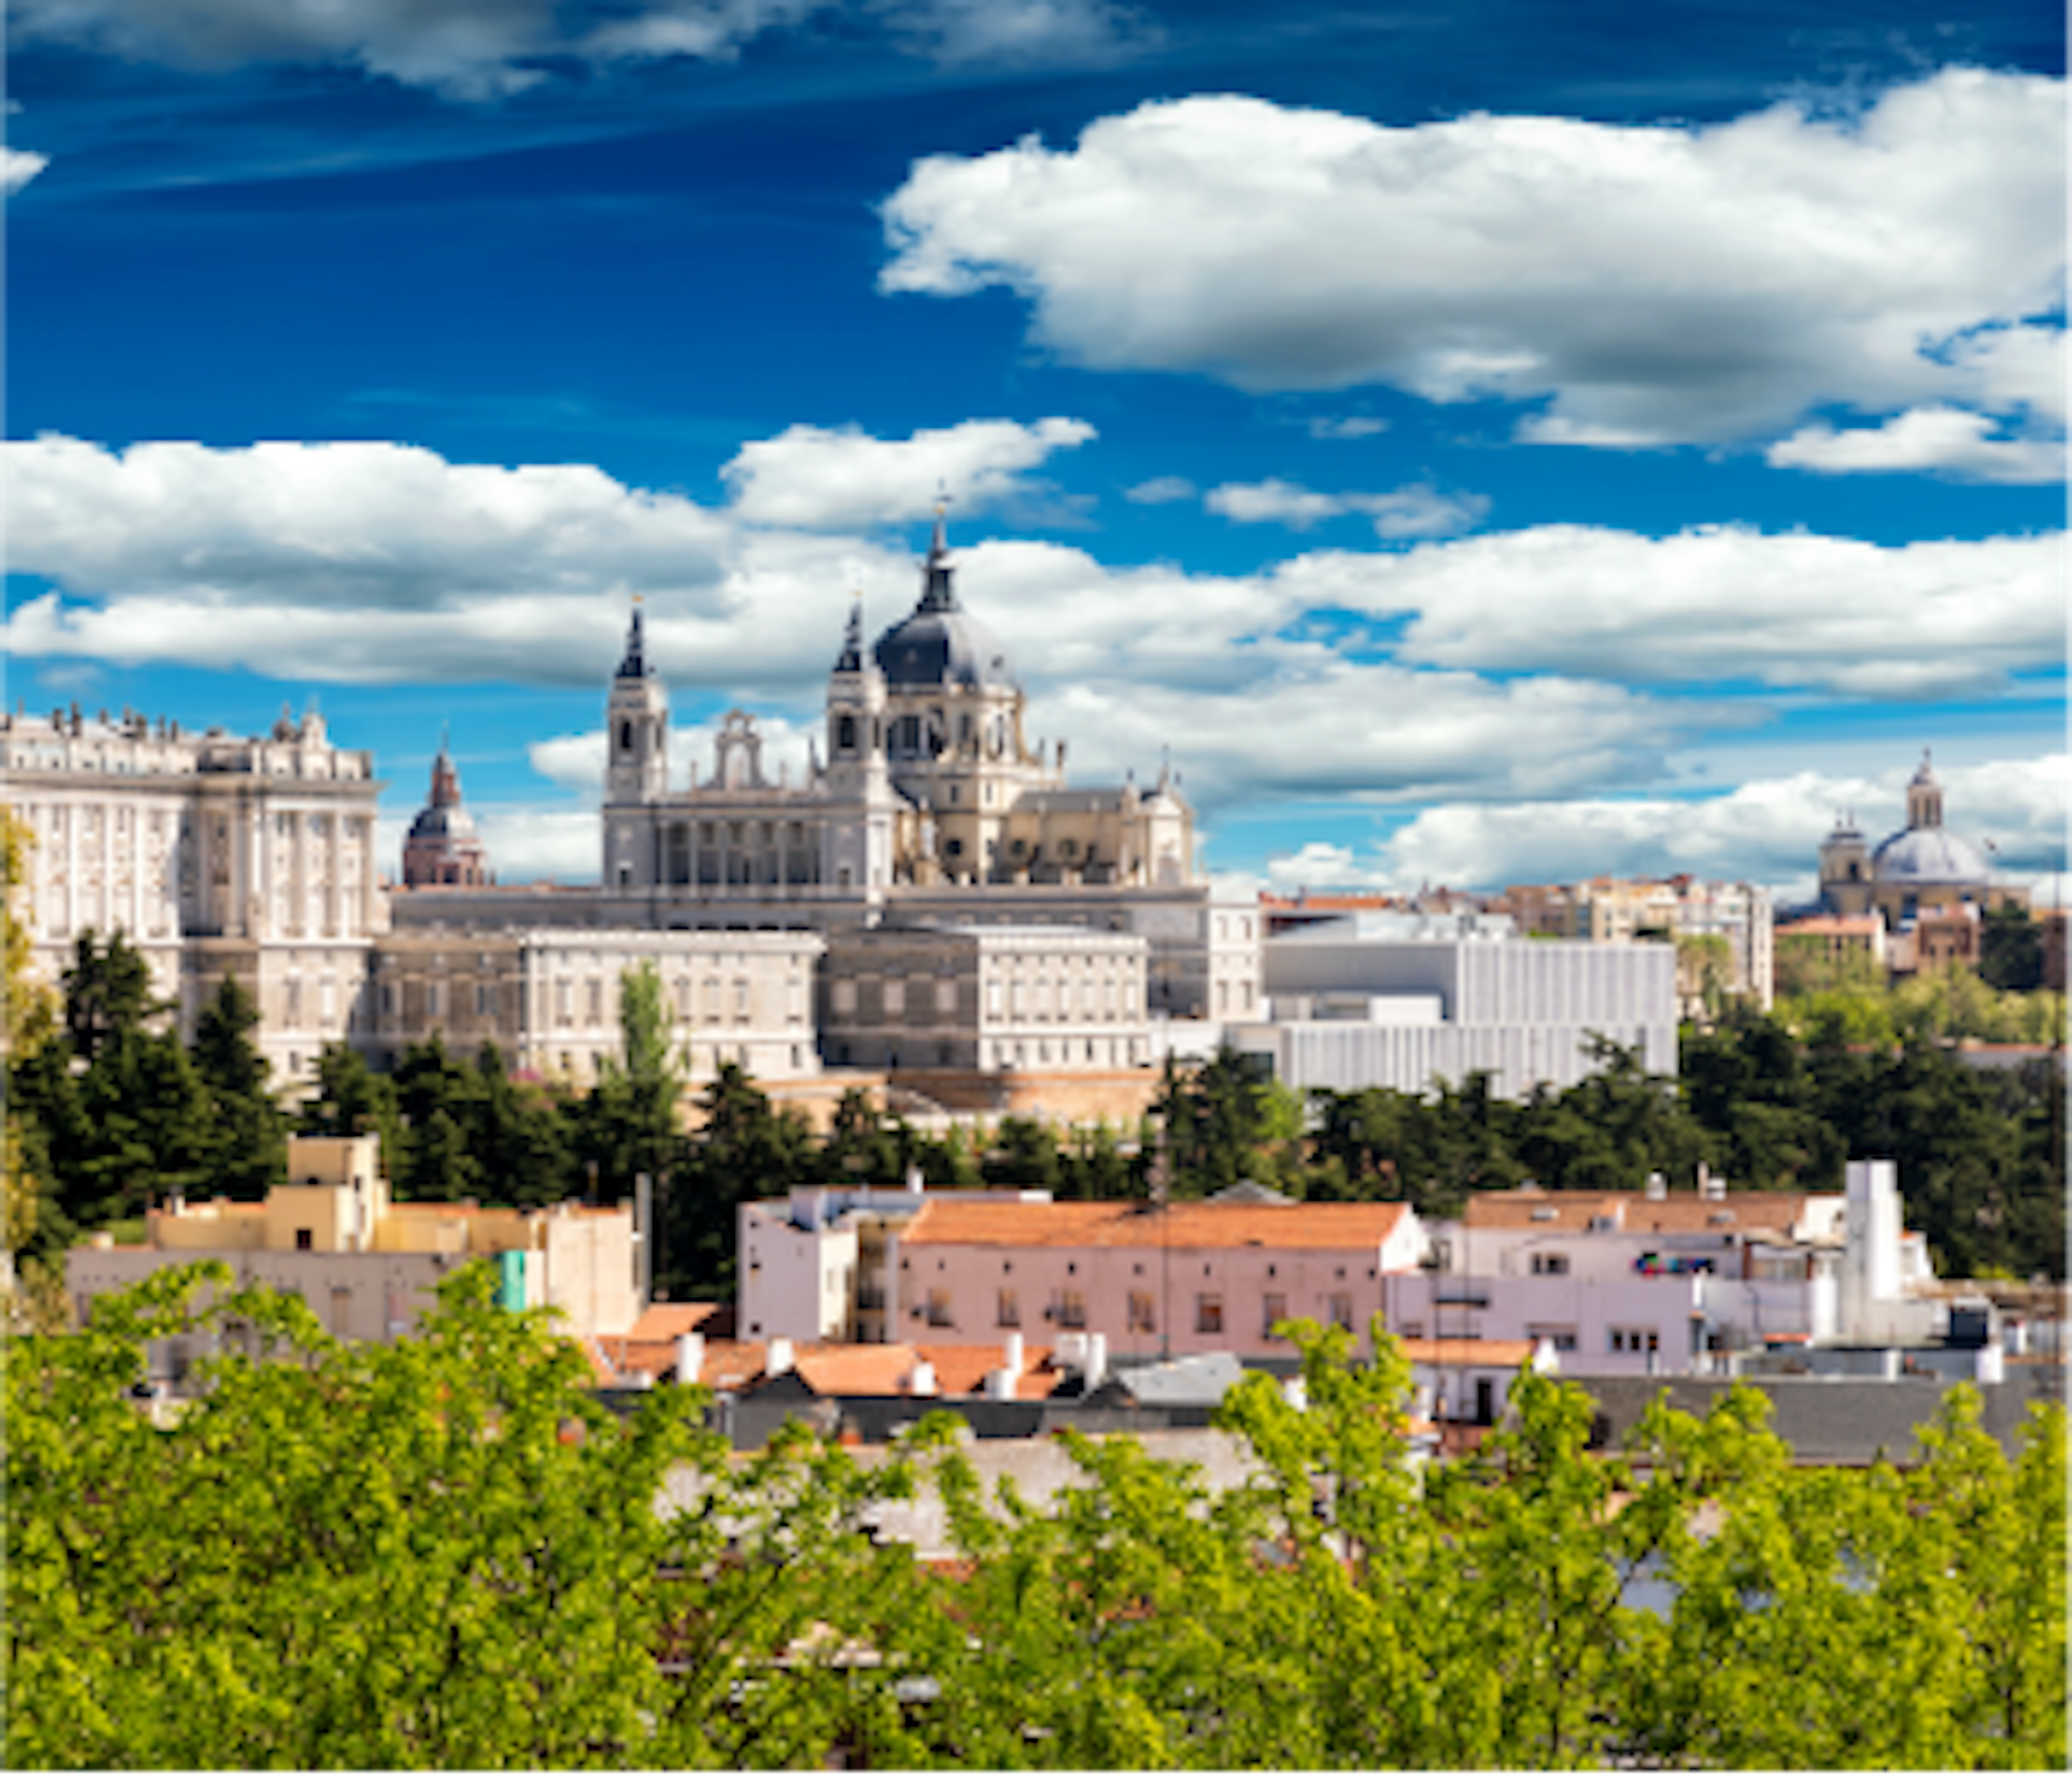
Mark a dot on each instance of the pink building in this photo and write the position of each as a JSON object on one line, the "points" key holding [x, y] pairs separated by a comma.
{"points": [[1207, 1276]]}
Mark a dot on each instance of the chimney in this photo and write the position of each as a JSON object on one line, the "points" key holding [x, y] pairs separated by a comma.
{"points": [[1658, 1187], [1011, 1359], [690, 1357], [1096, 1360], [777, 1357], [921, 1380], [914, 1181]]}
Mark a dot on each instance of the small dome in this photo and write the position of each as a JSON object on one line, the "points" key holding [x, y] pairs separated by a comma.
{"points": [[442, 823], [1929, 855]]}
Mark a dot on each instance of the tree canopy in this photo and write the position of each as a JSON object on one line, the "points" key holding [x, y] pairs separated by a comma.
{"points": [[445, 1553]]}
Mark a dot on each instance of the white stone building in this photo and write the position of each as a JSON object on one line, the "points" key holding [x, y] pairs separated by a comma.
{"points": [[549, 998], [211, 853]]}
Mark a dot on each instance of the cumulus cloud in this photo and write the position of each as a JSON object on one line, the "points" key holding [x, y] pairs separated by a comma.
{"points": [[1946, 440], [1416, 510], [1714, 604], [474, 50], [1271, 502], [370, 524], [1647, 285], [577, 761], [375, 561], [1765, 830], [817, 479]]}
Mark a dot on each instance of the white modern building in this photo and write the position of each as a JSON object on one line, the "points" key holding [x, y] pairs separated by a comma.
{"points": [[1406, 1000]]}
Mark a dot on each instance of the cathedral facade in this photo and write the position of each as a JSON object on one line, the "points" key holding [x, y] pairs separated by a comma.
{"points": [[1925, 868], [928, 780]]}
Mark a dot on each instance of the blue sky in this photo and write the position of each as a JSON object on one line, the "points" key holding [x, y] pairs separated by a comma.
{"points": [[1480, 443]]}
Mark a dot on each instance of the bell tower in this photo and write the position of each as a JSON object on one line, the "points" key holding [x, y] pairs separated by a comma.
{"points": [[857, 840], [636, 726], [636, 769]]}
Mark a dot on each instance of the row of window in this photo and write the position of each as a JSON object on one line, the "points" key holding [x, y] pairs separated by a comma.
{"points": [[1068, 1310]]}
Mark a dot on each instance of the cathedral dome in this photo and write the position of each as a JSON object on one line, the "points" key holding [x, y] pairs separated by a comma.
{"points": [[940, 643], [1929, 855], [439, 823]]}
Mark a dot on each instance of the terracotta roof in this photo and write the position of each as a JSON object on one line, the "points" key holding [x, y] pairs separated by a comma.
{"points": [[1288, 1227], [1820, 925], [855, 1369], [962, 1369], [1572, 1212], [1505, 1354], [672, 1319]]}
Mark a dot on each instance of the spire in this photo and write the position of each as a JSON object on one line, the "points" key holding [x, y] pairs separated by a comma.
{"points": [[635, 665], [446, 778], [937, 594], [851, 659]]}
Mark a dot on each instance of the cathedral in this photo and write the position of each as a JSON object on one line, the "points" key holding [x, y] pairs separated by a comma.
{"points": [[1924, 868], [928, 780], [927, 895]]}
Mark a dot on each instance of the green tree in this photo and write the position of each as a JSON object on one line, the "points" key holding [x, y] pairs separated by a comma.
{"points": [[107, 994], [351, 1099], [435, 1096], [631, 1124], [2011, 949], [521, 1131], [248, 1146], [32, 1231], [743, 1150]]}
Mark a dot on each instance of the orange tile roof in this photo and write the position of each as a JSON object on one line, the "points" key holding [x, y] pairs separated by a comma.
{"points": [[962, 1369], [1821, 925], [1287, 1227], [1750, 1211], [855, 1369], [672, 1319], [1505, 1354]]}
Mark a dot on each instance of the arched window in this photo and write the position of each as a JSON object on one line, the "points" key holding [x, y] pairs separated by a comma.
{"points": [[845, 734], [626, 737]]}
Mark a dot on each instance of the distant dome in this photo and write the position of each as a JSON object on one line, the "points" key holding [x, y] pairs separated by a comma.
{"points": [[442, 849], [437, 823], [940, 643], [1929, 855]]}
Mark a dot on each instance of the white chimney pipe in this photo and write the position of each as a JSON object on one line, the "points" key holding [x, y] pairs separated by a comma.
{"points": [[690, 1357], [923, 1380], [1011, 1358], [777, 1359], [1096, 1360]]}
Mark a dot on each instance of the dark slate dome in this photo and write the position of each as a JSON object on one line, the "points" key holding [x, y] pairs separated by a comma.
{"points": [[940, 643]]}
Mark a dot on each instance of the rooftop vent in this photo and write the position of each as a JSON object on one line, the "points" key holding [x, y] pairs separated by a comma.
{"points": [[1545, 1213]]}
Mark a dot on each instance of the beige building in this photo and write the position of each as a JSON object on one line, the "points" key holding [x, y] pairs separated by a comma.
{"points": [[972, 997], [211, 853], [549, 998], [367, 1266]]}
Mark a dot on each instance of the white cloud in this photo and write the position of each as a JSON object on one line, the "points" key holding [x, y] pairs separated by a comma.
{"points": [[821, 479], [1713, 604], [1356, 425], [1656, 284], [1414, 511], [1011, 31], [1161, 490], [372, 561], [477, 50], [17, 166], [576, 762], [1766, 830], [1271, 502], [1946, 440], [373, 524]]}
